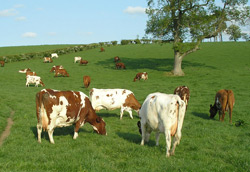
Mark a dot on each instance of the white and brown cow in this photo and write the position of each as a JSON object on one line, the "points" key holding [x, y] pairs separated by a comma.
{"points": [[163, 113], [77, 59], [86, 81], [30, 79], [183, 92], [54, 68], [224, 101], [111, 99], [47, 60], [54, 55], [31, 73], [24, 70], [65, 108], [141, 75]]}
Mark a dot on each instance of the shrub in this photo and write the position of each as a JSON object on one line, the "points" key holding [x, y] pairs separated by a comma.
{"points": [[114, 43]]}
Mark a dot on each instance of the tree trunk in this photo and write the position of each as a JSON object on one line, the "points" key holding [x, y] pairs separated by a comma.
{"points": [[177, 71]]}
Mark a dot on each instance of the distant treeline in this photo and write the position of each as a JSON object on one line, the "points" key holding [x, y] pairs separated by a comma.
{"points": [[77, 48]]}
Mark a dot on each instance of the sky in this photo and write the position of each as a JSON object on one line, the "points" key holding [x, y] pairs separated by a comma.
{"points": [[43, 22]]}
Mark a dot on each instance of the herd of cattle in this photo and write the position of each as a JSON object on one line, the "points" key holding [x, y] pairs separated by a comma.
{"points": [[160, 112]]}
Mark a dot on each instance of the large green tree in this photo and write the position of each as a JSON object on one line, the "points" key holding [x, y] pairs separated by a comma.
{"points": [[188, 22], [234, 31]]}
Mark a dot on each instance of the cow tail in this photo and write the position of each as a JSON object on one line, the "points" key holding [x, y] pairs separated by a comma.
{"points": [[44, 118]]}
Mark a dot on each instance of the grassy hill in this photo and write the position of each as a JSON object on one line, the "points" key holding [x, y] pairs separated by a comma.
{"points": [[206, 145]]}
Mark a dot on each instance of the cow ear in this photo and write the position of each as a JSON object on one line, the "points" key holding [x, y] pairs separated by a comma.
{"points": [[98, 119]]}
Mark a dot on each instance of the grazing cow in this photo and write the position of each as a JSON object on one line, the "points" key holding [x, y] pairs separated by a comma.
{"points": [[54, 68], [163, 113], [116, 59], [86, 81], [2, 63], [102, 49], [111, 99], [141, 75], [24, 70], [120, 66], [33, 80], [65, 108], [83, 62], [224, 101], [183, 92], [61, 72], [47, 60], [31, 73], [54, 55], [77, 59]]}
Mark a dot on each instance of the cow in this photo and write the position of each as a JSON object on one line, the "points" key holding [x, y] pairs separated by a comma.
{"points": [[31, 73], [54, 55], [2, 63], [111, 99], [184, 93], [120, 66], [65, 108], [116, 59], [141, 75], [47, 60], [54, 68], [102, 49], [224, 101], [86, 81], [34, 80], [83, 62], [163, 113], [77, 59], [61, 72], [24, 70]]}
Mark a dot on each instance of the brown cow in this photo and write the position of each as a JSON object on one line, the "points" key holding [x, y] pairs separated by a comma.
{"points": [[224, 101], [184, 93], [83, 62], [24, 70], [65, 108], [54, 68], [61, 72], [86, 81], [120, 66], [141, 75], [47, 60], [116, 59], [2, 63], [31, 73], [102, 49]]}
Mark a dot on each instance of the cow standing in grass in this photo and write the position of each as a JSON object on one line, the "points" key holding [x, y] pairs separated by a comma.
{"points": [[224, 101], [2, 63], [120, 66], [86, 81]]}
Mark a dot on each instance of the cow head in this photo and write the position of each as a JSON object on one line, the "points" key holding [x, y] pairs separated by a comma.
{"points": [[213, 111], [99, 126]]}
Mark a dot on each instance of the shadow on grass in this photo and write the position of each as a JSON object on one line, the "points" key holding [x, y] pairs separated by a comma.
{"points": [[108, 115], [201, 115], [64, 131], [150, 63]]}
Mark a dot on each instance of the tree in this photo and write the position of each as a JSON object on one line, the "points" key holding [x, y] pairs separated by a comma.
{"points": [[192, 20], [245, 36], [234, 31]]}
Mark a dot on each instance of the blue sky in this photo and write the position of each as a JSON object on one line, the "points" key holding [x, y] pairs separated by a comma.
{"points": [[34, 22]]}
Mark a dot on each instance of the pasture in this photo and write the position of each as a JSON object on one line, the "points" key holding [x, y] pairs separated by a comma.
{"points": [[206, 144]]}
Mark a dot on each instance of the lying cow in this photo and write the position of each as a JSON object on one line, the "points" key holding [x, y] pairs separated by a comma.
{"points": [[86, 81], [120, 66], [116, 59], [83, 62], [77, 59], [64, 108], [224, 101], [163, 113], [47, 60], [24, 70], [33, 80], [54, 55], [102, 49], [183, 92], [31, 73], [54, 68], [61, 72], [2, 63], [111, 99], [141, 75]]}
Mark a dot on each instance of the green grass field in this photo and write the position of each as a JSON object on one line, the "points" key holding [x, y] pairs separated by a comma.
{"points": [[206, 145]]}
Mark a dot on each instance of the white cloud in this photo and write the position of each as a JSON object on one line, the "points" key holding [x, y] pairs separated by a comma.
{"points": [[22, 18], [18, 6], [8, 12], [135, 10], [29, 35]]}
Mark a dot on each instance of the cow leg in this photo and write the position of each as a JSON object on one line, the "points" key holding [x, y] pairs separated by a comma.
{"points": [[230, 114], [39, 132], [121, 113], [157, 137], [77, 127], [222, 115], [176, 141], [143, 133], [130, 114], [168, 142], [50, 133]]}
